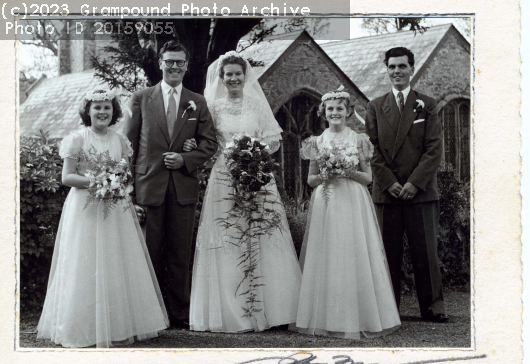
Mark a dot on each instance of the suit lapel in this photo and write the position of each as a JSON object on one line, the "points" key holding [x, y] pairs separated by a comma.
{"points": [[391, 111], [407, 119], [182, 114], [156, 103]]}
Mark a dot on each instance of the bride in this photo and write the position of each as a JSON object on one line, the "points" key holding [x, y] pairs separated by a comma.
{"points": [[224, 297]]}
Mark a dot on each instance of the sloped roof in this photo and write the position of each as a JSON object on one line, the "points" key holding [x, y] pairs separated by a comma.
{"points": [[54, 104], [272, 48], [269, 50], [362, 58]]}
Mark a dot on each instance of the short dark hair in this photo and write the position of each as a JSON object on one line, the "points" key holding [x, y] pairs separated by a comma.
{"points": [[173, 46], [232, 60], [85, 108], [399, 52]]}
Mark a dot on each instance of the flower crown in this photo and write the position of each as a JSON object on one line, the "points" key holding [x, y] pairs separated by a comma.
{"points": [[106, 95], [228, 54], [338, 94]]}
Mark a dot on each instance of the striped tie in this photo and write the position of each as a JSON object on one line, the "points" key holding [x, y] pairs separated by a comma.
{"points": [[171, 115], [401, 103]]}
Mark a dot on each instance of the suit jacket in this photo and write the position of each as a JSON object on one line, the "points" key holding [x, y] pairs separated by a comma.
{"points": [[147, 130], [406, 149]]}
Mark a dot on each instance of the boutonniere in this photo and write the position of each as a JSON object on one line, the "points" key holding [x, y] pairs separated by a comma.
{"points": [[191, 106], [419, 105]]}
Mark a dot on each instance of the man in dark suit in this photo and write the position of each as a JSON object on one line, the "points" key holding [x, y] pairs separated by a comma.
{"points": [[407, 138], [166, 185]]}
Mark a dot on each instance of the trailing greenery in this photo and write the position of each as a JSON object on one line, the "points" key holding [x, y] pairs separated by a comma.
{"points": [[41, 201]]}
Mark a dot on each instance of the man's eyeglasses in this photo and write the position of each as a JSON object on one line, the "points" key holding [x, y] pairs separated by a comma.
{"points": [[171, 62]]}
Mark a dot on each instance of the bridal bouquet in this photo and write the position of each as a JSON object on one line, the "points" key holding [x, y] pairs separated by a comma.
{"points": [[110, 181], [250, 166], [334, 162]]}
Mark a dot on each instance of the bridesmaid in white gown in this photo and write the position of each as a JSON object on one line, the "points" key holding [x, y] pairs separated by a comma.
{"points": [[238, 105], [346, 287], [102, 288]]}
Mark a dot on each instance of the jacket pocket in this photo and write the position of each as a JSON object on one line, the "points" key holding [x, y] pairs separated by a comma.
{"points": [[140, 169]]}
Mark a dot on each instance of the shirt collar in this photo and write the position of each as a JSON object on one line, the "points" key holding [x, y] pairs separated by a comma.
{"points": [[405, 92], [166, 88]]}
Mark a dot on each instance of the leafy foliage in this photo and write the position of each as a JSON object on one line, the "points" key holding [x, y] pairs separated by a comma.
{"points": [[41, 201], [388, 25]]}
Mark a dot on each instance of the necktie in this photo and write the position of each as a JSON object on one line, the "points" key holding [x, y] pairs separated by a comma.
{"points": [[401, 103], [171, 115]]}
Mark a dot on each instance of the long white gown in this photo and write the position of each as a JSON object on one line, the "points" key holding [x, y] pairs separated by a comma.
{"points": [[215, 305], [102, 288], [346, 286]]}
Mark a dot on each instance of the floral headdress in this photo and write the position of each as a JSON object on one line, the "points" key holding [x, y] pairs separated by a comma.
{"points": [[333, 95], [228, 54], [100, 95]]}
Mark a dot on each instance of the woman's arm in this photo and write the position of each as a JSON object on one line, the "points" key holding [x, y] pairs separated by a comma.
{"points": [[364, 176], [70, 177], [314, 178]]}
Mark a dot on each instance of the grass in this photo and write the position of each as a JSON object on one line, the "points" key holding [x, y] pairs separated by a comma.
{"points": [[456, 333]]}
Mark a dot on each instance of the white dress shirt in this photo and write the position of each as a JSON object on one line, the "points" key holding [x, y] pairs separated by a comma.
{"points": [[165, 91], [405, 93]]}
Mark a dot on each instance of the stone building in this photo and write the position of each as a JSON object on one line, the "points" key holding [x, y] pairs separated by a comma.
{"points": [[296, 72]]}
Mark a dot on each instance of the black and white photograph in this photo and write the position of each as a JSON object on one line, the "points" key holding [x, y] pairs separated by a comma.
{"points": [[288, 182]]}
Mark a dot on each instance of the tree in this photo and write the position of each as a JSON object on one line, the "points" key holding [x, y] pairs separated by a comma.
{"points": [[388, 25], [43, 39], [136, 53]]}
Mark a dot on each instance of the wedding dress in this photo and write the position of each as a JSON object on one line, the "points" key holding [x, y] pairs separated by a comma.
{"points": [[346, 287], [102, 288], [219, 290]]}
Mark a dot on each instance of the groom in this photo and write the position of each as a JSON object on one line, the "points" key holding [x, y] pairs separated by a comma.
{"points": [[166, 185], [407, 137]]}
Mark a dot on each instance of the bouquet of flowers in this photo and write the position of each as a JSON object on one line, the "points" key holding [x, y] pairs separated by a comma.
{"points": [[250, 166], [334, 162], [110, 181]]}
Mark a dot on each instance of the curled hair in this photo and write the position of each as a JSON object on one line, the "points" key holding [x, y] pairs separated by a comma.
{"points": [[322, 107], [84, 110], [232, 60], [173, 46], [399, 52]]}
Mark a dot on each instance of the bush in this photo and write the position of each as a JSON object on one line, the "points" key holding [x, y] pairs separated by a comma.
{"points": [[41, 202], [296, 212]]}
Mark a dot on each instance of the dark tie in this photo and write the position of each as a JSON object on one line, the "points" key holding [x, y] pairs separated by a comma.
{"points": [[171, 115], [401, 103]]}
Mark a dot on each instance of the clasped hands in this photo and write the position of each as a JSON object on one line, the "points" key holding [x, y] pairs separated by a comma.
{"points": [[406, 192], [174, 160]]}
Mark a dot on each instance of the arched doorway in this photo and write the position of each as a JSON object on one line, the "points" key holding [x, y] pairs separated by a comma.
{"points": [[455, 118], [299, 120]]}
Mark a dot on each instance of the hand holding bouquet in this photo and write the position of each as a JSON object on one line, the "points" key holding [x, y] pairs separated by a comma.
{"points": [[336, 162], [110, 181], [250, 166]]}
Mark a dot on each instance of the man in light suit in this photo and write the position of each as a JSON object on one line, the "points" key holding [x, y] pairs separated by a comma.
{"points": [[166, 184], [407, 137]]}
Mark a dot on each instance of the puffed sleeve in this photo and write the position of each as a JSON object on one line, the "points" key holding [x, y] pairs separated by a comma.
{"points": [[71, 145], [126, 146], [365, 147], [309, 149]]}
